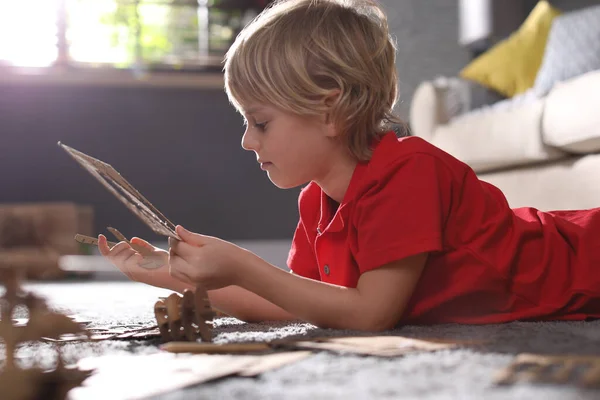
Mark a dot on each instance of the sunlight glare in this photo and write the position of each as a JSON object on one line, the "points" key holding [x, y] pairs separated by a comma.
{"points": [[28, 32], [89, 39]]}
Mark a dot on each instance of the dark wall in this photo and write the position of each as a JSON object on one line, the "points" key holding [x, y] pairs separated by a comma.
{"points": [[180, 148], [510, 14], [426, 34], [571, 5]]}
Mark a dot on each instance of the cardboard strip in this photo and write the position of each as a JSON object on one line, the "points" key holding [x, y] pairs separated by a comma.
{"points": [[558, 369], [383, 346], [273, 361], [212, 348], [119, 377], [116, 333], [91, 240]]}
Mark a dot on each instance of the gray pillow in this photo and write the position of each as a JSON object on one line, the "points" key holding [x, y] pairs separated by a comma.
{"points": [[572, 49], [458, 96]]}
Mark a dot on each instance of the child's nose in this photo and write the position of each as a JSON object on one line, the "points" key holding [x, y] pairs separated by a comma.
{"points": [[249, 142]]}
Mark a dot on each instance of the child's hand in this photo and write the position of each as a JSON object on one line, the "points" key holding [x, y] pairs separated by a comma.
{"points": [[130, 261], [206, 260]]}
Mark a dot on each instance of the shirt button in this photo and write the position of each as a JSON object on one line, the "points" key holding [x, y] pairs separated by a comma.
{"points": [[326, 269], [319, 231]]}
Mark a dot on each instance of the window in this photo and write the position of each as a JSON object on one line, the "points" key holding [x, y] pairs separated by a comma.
{"points": [[125, 34]]}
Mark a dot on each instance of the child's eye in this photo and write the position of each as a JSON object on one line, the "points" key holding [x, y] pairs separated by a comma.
{"points": [[261, 126]]}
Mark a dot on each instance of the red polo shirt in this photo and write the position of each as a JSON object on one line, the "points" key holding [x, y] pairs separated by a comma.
{"points": [[487, 263]]}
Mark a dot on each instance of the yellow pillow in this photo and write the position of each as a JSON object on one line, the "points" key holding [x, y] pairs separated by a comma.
{"points": [[510, 67]]}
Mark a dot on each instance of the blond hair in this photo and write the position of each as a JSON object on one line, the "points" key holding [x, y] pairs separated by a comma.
{"points": [[319, 57]]}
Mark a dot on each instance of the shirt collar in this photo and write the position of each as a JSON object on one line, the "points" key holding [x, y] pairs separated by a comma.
{"points": [[337, 223], [380, 147]]}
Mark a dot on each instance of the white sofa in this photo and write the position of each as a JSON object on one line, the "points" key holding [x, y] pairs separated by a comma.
{"points": [[541, 152]]}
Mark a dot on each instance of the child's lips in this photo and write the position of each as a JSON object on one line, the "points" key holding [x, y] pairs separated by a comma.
{"points": [[265, 165]]}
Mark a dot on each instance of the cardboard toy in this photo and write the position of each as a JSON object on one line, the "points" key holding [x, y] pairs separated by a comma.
{"points": [[34, 382], [125, 192], [185, 318], [40, 233]]}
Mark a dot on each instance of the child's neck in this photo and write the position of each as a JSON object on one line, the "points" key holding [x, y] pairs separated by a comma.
{"points": [[334, 205], [336, 182]]}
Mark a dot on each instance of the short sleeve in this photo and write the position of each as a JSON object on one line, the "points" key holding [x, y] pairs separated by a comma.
{"points": [[403, 212], [301, 258]]}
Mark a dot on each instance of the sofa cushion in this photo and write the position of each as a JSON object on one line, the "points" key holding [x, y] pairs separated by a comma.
{"points": [[499, 136], [445, 98], [573, 48], [567, 184], [571, 119], [511, 66]]}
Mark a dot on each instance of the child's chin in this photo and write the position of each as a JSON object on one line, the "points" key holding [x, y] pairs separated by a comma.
{"points": [[283, 184]]}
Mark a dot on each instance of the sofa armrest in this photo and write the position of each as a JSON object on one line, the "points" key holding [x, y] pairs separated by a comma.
{"points": [[449, 113], [426, 110], [571, 121], [438, 101]]}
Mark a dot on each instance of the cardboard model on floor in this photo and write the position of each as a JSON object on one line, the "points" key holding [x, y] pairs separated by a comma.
{"points": [[33, 383]]}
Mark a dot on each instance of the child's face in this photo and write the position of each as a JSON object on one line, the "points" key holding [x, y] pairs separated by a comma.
{"points": [[292, 149]]}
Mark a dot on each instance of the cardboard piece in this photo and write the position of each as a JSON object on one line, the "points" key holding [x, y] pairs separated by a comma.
{"points": [[17, 382], [50, 225], [140, 376], [39, 233], [96, 335], [212, 348], [383, 346], [185, 317], [273, 361], [558, 369], [125, 192], [92, 241]]}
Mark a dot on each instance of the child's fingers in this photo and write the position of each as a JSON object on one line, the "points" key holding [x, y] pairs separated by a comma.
{"points": [[141, 246], [103, 245], [182, 249], [192, 238], [118, 249], [141, 242]]}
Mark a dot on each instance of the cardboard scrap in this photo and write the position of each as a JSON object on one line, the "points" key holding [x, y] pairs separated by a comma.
{"points": [[116, 333], [214, 348], [75, 318], [273, 361], [34, 236], [140, 376], [558, 369], [383, 346], [112, 333]]}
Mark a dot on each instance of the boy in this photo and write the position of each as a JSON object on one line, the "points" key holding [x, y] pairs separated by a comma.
{"points": [[390, 229]]}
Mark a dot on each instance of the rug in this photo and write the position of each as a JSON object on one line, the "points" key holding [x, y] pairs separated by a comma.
{"points": [[460, 373]]}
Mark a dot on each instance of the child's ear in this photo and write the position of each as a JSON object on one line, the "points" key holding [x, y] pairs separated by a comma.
{"points": [[329, 101], [331, 98], [329, 128]]}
